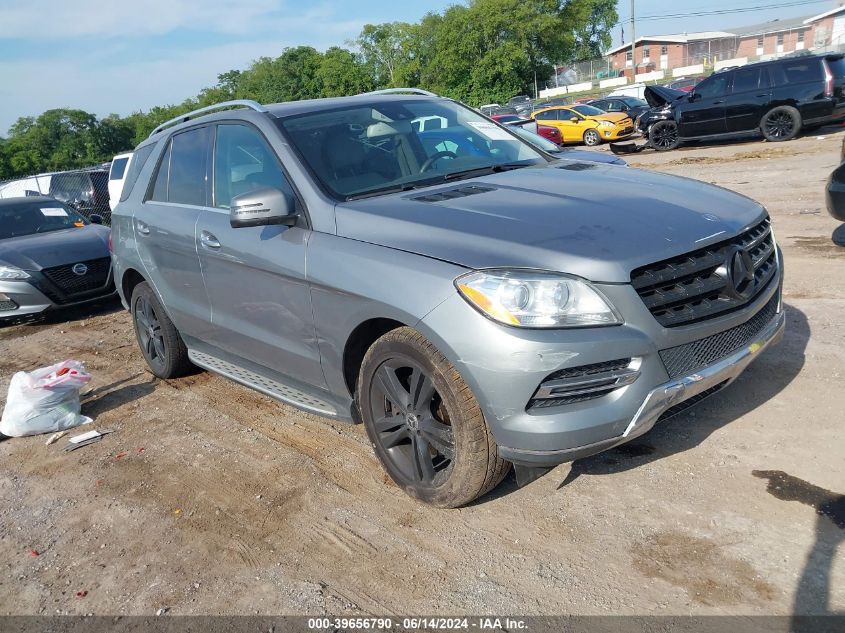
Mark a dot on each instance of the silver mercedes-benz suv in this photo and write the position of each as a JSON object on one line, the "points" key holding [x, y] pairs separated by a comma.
{"points": [[475, 302]]}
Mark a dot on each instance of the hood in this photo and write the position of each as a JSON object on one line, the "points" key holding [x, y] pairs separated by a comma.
{"points": [[659, 96], [588, 219], [45, 250], [616, 117]]}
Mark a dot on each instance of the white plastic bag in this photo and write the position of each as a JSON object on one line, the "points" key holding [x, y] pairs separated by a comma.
{"points": [[45, 400]]}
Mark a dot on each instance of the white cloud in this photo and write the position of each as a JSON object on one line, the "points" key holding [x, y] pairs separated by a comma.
{"points": [[30, 87], [48, 18]]}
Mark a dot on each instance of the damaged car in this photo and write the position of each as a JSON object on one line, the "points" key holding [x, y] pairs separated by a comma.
{"points": [[775, 99]]}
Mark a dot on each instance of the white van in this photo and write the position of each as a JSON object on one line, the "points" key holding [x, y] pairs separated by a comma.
{"points": [[117, 173]]}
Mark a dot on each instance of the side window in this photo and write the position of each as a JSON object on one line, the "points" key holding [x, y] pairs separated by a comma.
{"points": [[160, 186], [613, 106], [189, 167], [548, 115], [139, 159], [713, 86], [243, 162], [804, 71], [118, 167], [746, 80]]}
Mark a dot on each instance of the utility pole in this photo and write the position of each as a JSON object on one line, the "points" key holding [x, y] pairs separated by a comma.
{"points": [[633, 44]]}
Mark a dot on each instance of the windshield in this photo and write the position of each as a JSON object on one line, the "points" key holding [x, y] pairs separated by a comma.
{"points": [[633, 102], [587, 110], [27, 218], [362, 150]]}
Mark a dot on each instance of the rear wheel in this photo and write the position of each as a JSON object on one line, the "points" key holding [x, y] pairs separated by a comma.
{"points": [[781, 124], [424, 422], [592, 138], [158, 338], [663, 136]]}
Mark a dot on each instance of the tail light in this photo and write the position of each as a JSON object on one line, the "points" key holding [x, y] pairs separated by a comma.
{"points": [[828, 79]]}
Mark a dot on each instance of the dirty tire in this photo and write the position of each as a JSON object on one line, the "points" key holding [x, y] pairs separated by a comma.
{"points": [[159, 340], [592, 138], [781, 124], [414, 435], [663, 136]]}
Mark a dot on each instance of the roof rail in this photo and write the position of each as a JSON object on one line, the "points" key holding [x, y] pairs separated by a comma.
{"points": [[248, 103], [394, 91]]}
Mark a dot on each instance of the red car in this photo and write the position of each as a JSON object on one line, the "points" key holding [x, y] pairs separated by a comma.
{"points": [[550, 133], [507, 118]]}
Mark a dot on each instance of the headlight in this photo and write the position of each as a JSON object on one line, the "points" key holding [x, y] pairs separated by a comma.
{"points": [[527, 298], [607, 123], [12, 272]]}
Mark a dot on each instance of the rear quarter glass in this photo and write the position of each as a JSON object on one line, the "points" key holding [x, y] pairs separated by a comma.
{"points": [[138, 162], [118, 168]]}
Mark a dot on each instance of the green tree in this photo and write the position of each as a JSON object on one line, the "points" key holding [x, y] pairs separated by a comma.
{"points": [[341, 73]]}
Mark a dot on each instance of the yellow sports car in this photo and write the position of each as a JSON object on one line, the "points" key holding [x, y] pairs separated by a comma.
{"points": [[586, 124]]}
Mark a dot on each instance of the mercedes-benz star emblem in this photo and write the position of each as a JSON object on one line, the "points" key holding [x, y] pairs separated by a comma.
{"points": [[738, 271], [79, 269]]}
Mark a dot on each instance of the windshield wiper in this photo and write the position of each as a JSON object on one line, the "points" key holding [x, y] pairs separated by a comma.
{"points": [[489, 169], [428, 182]]}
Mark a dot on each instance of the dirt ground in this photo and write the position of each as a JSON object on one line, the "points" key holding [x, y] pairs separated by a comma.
{"points": [[209, 498]]}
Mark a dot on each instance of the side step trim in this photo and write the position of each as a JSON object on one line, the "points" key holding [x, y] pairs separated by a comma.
{"points": [[274, 389]]}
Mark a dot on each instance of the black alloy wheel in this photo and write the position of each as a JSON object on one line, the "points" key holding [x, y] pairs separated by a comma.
{"points": [[411, 422], [664, 136], [781, 124]]}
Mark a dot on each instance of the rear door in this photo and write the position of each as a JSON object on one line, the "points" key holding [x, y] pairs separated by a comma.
{"points": [[255, 276], [165, 229], [704, 112], [748, 100]]}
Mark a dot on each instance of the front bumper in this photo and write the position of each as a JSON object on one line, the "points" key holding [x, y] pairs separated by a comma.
{"points": [[505, 367], [23, 299], [663, 398]]}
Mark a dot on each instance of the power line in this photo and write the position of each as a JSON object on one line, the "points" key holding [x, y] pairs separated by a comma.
{"points": [[693, 14]]}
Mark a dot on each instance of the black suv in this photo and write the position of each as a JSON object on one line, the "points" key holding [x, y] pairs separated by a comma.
{"points": [[776, 98]]}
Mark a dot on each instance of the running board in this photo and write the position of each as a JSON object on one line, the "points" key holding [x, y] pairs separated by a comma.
{"points": [[279, 391]]}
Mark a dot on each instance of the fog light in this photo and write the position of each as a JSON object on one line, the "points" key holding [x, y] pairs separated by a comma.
{"points": [[607, 133], [6, 303]]}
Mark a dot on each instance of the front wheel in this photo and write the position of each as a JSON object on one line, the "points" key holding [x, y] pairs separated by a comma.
{"points": [[591, 138], [158, 338], [424, 422], [781, 124], [663, 136]]}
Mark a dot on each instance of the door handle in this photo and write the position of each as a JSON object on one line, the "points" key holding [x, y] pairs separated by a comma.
{"points": [[209, 240], [142, 227], [765, 94], [717, 102]]}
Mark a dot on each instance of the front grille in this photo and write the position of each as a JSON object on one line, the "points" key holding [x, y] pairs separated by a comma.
{"points": [[627, 130], [70, 285], [694, 287], [686, 404], [690, 357], [601, 379]]}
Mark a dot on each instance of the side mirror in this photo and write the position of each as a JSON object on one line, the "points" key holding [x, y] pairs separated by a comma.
{"points": [[574, 119], [693, 97], [96, 218], [262, 207]]}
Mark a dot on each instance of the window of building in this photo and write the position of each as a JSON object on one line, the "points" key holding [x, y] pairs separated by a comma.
{"points": [[664, 50], [780, 39], [801, 36], [629, 56], [760, 41], [646, 52]]}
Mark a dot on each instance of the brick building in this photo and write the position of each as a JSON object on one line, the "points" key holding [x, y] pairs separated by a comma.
{"points": [[825, 31]]}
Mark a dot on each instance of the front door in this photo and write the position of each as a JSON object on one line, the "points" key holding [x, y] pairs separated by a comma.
{"points": [[704, 112], [572, 126], [255, 276], [749, 97], [165, 226]]}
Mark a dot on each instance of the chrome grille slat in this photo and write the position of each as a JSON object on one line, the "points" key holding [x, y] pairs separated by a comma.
{"points": [[693, 287]]}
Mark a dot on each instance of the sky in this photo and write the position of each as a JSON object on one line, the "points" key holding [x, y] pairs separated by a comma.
{"points": [[119, 56]]}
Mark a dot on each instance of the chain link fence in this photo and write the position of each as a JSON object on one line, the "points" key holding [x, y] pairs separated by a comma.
{"points": [[86, 190]]}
